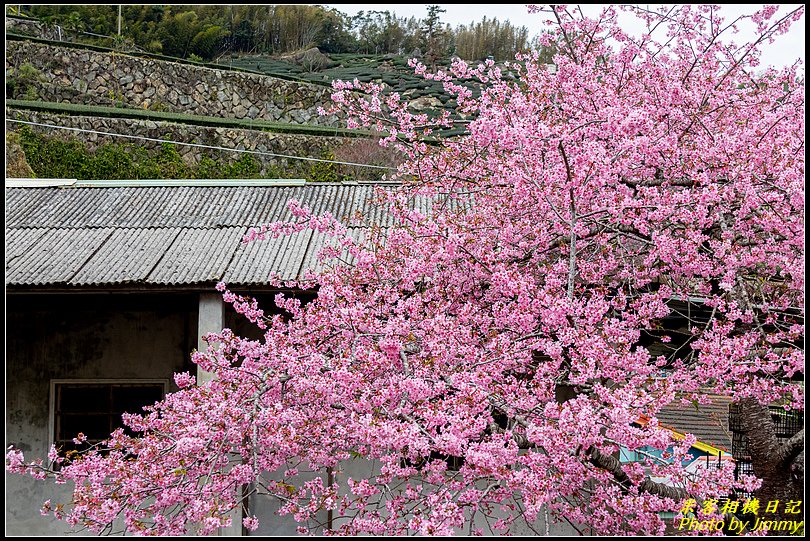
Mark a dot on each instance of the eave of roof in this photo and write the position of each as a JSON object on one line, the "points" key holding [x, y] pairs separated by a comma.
{"points": [[164, 235], [707, 422]]}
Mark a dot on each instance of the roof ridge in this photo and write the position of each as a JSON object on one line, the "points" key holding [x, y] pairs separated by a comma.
{"points": [[193, 183]]}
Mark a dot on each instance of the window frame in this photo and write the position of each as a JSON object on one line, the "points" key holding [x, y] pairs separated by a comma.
{"points": [[93, 381]]}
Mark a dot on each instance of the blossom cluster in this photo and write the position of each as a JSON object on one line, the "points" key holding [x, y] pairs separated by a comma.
{"points": [[493, 352]]}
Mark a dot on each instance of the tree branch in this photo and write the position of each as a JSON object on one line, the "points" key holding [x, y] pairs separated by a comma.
{"points": [[789, 450], [612, 465]]}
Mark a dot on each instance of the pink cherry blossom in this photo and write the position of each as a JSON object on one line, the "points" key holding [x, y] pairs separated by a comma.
{"points": [[493, 346]]}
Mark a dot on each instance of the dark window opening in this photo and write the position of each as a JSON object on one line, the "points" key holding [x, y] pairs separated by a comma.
{"points": [[95, 409], [454, 463]]}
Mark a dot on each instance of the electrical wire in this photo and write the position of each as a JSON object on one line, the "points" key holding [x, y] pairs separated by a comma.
{"points": [[198, 145]]}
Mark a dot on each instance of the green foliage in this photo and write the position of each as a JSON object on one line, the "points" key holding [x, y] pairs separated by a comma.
{"points": [[158, 106], [86, 44], [325, 171], [171, 163], [436, 39], [16, 165], [155, 46], [490, 37], [366, 68], [123, 43], [208, 168], [208, 42], [246, 166], [176, 32], [381, 32], [58, 158], [51, 158], [208, 30], [22, 82], [111, 161]]}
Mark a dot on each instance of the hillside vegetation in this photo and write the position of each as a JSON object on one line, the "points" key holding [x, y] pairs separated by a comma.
{"points": [[208, 32], [309, 44]]}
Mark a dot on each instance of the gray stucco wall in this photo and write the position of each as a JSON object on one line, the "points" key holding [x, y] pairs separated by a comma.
{"points": [[265, 507], [80, 336], [113, 336]]}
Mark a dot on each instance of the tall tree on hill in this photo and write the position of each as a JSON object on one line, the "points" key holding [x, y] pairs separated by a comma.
{"points": [[176, 32], [434, 35], [380, 32], [490, 350], [210, 41], [336, 35], [490, 37]]}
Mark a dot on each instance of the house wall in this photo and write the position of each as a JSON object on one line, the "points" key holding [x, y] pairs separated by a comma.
{"points": [[113, 336], [264, 507], [80, 336]]}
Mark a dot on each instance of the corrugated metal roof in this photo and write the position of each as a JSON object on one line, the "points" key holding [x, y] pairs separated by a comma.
{"points": [[256, 262], [197, 256], [163, 236], [128, 256], [183, 206], [708, 422], [55, 257], [321, 241]]}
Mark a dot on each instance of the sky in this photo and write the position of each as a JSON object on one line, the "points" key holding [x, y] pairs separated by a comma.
{"points": [[785, 50]]}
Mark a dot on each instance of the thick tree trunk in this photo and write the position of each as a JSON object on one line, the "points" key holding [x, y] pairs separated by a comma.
{"points": [[777, 464]]}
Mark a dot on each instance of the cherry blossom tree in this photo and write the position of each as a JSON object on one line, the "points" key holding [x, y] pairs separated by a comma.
{"points": [[496, 346]]}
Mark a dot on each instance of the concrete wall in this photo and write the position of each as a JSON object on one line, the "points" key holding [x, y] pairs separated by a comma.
{"points": [[79, 336], [114, 336], [265, 507], [87, 336], [96, 78]]}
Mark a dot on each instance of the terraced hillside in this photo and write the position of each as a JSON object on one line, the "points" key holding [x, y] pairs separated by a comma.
{"points": [[202, 109], [424, 95]]}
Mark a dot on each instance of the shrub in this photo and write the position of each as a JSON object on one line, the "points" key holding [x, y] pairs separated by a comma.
{"points": [[325, 171], [51, 157], [22, 82]]}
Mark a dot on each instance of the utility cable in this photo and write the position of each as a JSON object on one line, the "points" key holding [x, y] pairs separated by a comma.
{"points": [[198, 145]]}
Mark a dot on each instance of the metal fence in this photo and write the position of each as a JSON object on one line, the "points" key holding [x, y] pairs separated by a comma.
{"points": [[786, 424]]}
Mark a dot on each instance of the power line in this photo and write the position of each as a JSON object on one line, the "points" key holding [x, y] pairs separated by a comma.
{"points": [[198, 145]]}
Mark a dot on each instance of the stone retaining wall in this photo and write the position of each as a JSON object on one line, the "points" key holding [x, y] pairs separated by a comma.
{"points": [[276, 143], [115, 79]]}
